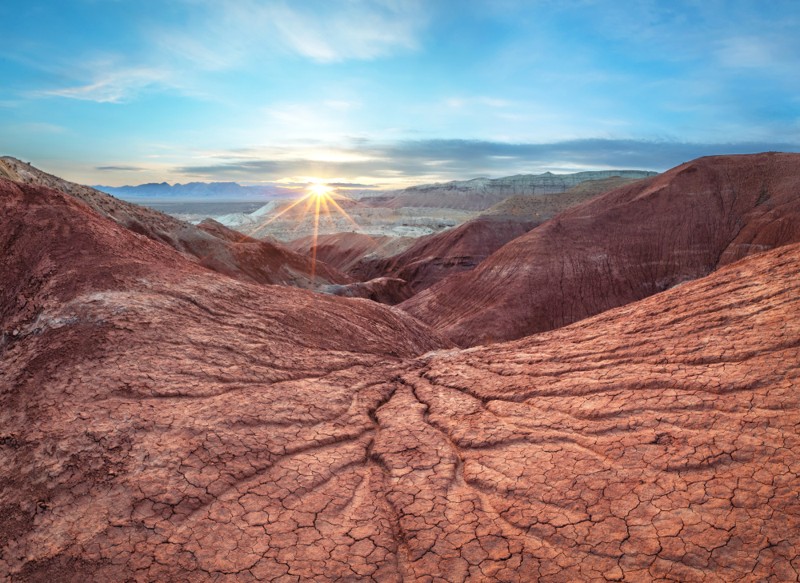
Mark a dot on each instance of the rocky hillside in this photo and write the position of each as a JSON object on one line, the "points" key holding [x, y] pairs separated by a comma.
{"points": [[541, 207], [620, 247], [161, 422], [481, 193], [432, 258], [249, 260]]}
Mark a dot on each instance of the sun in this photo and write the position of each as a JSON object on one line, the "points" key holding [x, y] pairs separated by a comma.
{"points": [[319, 190], [319, 199]]}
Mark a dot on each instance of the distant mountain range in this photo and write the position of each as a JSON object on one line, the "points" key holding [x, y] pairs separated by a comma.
{"points": [[475, 194], [205, 191]]}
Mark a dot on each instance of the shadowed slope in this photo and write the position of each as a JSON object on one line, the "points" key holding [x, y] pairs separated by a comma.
{"points": [[267, 263], [161, 422], [385, 290], [620, 247], [434, 257]]}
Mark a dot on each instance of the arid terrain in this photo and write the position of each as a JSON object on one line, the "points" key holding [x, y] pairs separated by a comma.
{"points": [[175, 407], [425, 209], [621, 246]]}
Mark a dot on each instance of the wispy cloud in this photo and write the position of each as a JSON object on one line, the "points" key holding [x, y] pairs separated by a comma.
{"points": [[221, 36], [114, 86], [122, 168], [351, 30], [38, 127]]}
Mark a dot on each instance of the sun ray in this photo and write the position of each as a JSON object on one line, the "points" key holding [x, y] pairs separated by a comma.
{"points": [[316, 233], [320, 199], [344, 213]]}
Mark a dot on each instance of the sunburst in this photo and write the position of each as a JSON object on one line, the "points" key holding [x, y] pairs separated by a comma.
{"points": [[319, 199]]}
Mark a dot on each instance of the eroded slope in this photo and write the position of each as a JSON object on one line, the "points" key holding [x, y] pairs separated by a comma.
{"points": [[166, 423], [620, 247], [248, 260]]}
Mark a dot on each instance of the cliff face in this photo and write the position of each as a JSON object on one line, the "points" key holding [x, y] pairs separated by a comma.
{"points": [[161, 422], [620, 247]]}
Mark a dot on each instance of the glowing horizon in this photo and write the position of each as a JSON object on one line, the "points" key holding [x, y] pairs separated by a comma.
{"points": [[391, 93]]}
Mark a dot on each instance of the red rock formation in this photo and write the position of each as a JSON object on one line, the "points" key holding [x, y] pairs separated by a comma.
{"points": [[268, 262], [160, 422], [620, 247], [217, 229]]}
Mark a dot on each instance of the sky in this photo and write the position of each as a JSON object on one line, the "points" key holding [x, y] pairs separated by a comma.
{"points": [[386, 93]]}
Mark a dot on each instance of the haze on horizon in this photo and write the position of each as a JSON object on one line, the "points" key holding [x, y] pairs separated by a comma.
{"points": [[391, 92]]}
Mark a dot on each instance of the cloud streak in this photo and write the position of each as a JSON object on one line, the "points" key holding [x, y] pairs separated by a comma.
{"points": [[115, 86], [119, 168], [460, 159]]}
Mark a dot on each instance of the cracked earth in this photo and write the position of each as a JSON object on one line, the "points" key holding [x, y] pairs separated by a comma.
{"points": [[176, 425]]}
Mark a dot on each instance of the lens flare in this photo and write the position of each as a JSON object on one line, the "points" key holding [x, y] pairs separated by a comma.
{"points": [[319, 199]]}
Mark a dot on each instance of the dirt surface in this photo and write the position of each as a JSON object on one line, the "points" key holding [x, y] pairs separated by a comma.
{"points": [[161, 422], [622, 246], [268, 262]]}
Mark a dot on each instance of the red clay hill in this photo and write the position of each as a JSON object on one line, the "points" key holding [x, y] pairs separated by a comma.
{"points": [[226, 252], [620, 247]]}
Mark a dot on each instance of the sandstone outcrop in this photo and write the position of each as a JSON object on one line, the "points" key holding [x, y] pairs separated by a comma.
{"points": [[480, 194], [542, 207]]}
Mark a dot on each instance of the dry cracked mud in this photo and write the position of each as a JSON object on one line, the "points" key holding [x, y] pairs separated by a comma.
{"points": [[162, 422]]}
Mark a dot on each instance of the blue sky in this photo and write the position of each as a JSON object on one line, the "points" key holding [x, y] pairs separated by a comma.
{"points": [[391, 92]]}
